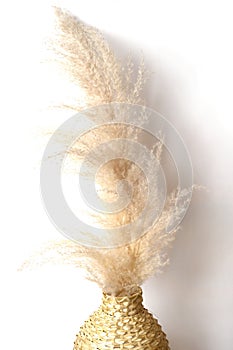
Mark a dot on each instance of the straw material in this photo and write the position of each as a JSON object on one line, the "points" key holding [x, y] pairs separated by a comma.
{"points": [[121, 323]]}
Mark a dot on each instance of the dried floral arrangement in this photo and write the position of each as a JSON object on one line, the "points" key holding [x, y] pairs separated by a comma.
{"points": [[88, 61]]}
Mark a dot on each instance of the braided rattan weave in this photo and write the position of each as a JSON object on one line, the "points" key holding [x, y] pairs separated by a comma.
{"points": [[121, 323]]}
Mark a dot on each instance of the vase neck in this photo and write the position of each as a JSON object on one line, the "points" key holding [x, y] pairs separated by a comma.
{"points": [[122, 305]]}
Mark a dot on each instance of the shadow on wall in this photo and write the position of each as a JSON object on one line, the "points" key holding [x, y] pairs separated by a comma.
{"points": [[176, 296], [193, 298], [179, 296]]}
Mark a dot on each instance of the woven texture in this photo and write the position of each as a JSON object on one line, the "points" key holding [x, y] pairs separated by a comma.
{"points": [[121, 323]]}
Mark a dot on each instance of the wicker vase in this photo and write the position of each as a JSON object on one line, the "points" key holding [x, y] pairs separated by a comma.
{"points": [[121, 323]]}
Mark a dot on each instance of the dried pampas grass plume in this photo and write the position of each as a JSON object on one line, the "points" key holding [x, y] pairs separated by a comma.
{"points": [[86, 57], [90, 63], [117, 271]]}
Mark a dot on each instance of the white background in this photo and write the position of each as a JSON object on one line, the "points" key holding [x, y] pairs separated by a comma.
{"points": [[188, 46]]}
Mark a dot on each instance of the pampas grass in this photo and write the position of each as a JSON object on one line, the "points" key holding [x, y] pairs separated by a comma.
{"points": [[87, 59], [117, 271], [89, 62]]}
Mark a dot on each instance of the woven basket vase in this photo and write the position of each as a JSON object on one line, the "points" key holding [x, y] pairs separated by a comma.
{"points": [[121, 323]]}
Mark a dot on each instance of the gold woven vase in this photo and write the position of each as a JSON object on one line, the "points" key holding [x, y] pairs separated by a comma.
{"points": [[121, 323]]}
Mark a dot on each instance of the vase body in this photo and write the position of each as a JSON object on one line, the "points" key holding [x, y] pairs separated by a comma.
{"points": [[121, 323]]}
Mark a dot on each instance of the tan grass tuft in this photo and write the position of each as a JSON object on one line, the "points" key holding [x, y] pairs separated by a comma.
{"points": [[90, 63]]}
